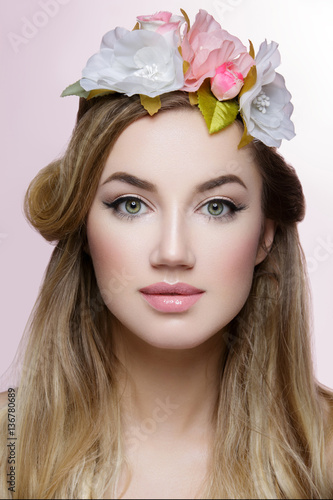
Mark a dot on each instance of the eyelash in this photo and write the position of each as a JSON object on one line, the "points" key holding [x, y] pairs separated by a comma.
{"points": [[115, 204], [233, 208]]}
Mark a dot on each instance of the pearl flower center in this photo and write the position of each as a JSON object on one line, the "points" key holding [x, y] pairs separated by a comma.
{"points": [[151, 72], [262, 102]]}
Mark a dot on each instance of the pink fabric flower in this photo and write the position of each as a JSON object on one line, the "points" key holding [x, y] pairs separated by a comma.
{"points": [[227, 82], [207, 47], [161, 22]]}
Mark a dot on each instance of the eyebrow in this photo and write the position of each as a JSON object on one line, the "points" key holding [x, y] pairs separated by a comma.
{"points": [[133, 180], [148, 186], [219, 181]]}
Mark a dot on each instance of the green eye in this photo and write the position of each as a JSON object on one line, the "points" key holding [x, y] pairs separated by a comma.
{"points": [[133, 206], [215, 207]]}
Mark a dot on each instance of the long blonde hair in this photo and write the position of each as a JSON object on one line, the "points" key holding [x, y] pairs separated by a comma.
{"points": [[270, 433]]}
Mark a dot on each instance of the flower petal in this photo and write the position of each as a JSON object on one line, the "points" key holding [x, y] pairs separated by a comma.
{"points": [[111, 37], [135, 62], [206, 47], [266, 107]]}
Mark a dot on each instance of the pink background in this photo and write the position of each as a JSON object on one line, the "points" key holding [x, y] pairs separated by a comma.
{"points": [[44, 46]]}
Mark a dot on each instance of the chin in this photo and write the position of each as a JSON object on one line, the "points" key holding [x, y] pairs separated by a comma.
{"points": [[172, 333]]}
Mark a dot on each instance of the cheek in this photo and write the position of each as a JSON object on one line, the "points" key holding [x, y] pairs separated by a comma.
{"points": [[114, 259], [231, 268], [237, 268], [240, 255], [102, 247]]}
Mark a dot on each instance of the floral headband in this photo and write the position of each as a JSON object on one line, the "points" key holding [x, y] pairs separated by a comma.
{"points": [[163, 54]]}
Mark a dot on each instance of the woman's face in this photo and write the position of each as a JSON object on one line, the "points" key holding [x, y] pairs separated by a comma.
{"points": [[177, 205]]}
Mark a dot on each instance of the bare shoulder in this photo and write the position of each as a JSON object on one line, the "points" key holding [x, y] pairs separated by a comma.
{"points": [[3, 399]]}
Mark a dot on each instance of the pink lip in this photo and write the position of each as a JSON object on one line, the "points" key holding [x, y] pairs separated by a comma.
{"points": [[171, 298]]}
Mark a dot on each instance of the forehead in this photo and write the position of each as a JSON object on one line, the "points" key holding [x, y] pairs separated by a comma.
{"points": [[175, 148]]}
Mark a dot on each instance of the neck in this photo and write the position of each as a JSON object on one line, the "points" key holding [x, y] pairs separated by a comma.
{"points": [[167, 391]]}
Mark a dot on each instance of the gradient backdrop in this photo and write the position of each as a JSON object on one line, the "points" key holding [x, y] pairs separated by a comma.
{"points": [[44, 46]]}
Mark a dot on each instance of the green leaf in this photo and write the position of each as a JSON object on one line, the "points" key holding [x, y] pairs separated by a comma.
{"points": [[99, 92], [75, 89], [186, 66], [251, 51], [193, 98], [249, 81], [151, 104], [187, 19], [251, 78], [217, 114], [246, 138]]}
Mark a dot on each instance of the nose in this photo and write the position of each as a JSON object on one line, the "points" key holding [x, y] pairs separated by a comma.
{"points": [[173, 248]]}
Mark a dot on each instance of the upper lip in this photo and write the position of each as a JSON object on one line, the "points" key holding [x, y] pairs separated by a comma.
{"points": [[163, 288]]}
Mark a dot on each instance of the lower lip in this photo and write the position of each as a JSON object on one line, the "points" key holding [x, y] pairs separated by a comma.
{"points": [[171, 303]]}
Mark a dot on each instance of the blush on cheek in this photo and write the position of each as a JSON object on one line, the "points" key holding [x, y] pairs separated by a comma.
{"points": [[244, 253], [106, 254], [115, 264], [236, 265]]}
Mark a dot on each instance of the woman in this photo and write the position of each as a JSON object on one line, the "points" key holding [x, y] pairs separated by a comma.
{"points": [[169, 352]]}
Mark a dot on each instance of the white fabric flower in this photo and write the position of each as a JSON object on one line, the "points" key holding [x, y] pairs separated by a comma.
{"points": [[266, 107], [135, 62]]}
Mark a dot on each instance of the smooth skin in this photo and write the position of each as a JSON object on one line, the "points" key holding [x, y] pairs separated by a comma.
{"points": [[172, 359], [210, 239]]}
